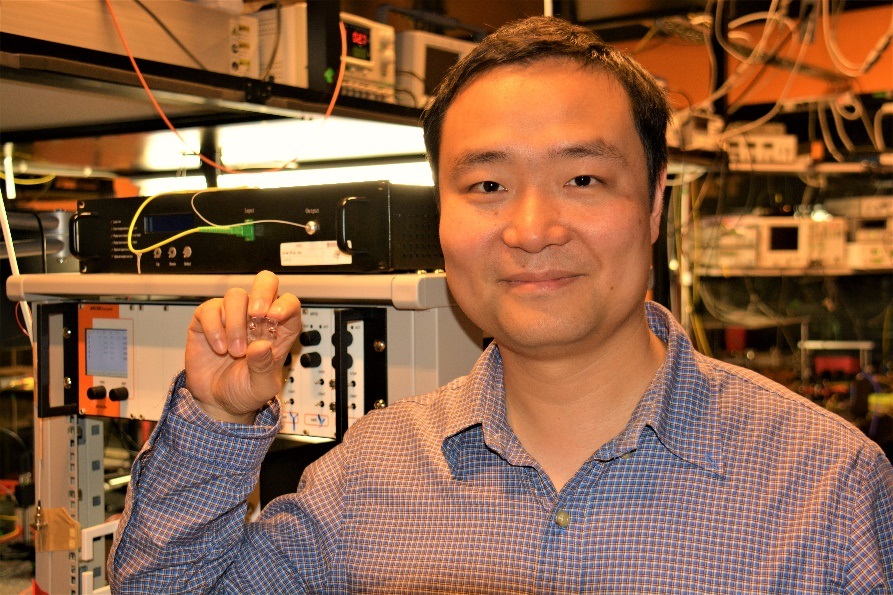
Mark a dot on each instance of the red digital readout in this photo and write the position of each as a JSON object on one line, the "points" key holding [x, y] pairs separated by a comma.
{"points": [[359, 38]]}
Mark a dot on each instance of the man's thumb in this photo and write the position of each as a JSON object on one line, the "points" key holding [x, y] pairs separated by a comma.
{"points": [[263, 370], [261, 361]]}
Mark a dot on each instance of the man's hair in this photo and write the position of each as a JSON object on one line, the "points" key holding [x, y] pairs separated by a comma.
{"points": [[537, 38]]}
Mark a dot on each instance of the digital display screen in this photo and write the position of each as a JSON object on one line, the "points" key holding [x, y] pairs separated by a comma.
{"points": [[168, 223], [437, 63], [784, 238], [358, 42], [106, 352]]}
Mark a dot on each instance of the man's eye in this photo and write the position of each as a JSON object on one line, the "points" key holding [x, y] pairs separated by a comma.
{"points": [[582, 181], [488, 186]]}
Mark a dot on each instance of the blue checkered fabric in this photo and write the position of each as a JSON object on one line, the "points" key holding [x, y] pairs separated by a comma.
{"points": [[723, 483]]}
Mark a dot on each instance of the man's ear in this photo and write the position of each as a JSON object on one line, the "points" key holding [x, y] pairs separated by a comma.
{"points": [[657, 204]]}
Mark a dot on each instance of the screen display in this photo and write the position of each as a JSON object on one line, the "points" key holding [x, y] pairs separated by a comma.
{"points": [[106, 352], [168, 223], [784, 238], [437, 62], [358, 42]]}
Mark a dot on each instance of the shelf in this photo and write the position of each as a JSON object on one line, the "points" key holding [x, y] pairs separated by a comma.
{"points": [[404, 291], [76, 108], [808, 167], [796, 272], [49, 64]]}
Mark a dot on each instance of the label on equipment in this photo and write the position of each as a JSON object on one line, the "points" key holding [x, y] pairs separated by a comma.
{"points": [[312, 253]]}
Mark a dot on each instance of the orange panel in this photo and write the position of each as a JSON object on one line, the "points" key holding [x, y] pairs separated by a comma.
{"points": [[87, 314]]}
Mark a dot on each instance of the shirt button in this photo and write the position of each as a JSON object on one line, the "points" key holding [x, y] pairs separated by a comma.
{"points": [[562, 518]]}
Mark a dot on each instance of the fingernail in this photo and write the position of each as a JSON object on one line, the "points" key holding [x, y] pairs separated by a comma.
{"points": [[257, 305], [238, 347]]}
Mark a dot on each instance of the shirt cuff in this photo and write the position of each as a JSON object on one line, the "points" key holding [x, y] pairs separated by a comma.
{"points": [[189, 431]]}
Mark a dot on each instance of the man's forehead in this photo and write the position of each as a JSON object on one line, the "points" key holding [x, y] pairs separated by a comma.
{"points": [[525, 77], [545, 64], [491, 111]]}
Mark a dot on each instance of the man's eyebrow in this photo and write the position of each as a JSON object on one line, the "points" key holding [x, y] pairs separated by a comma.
{"points": [[597, 148], [474, 158]]}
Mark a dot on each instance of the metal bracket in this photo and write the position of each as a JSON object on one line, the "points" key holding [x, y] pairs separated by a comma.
{"points": [[257, 91]]}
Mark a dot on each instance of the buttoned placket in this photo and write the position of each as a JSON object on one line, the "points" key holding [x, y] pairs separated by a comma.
{"points": [[564, 535]]}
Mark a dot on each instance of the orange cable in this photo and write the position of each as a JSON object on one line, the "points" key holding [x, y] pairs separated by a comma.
{"points": [[18, 310], [173, 129], [341, 69]]}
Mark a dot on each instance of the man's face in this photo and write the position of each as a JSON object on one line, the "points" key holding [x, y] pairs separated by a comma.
{"points": [[546, 219]]}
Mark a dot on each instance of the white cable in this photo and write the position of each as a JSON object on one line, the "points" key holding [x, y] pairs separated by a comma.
{"points": [[758, 16], [745, 65], [10, 248], [791, 25], [844, 65], [841, 131], [886, 110], [858, 113], [756, 55], [711, 59], [212, 224], [826, 134], [646, 38], [775, 108], [8, 172], [863, 115]]}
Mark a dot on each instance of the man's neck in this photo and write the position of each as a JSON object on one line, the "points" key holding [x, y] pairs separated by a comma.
{"points": [[563, 410]]}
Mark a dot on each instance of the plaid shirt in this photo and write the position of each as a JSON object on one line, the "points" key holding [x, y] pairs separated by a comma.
{"points": [[722, 482]]}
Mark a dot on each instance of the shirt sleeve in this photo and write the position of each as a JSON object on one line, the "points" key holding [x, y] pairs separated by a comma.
{"points": [[870, 557], [183, 528]]}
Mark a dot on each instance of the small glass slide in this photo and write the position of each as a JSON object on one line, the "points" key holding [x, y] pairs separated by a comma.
{"points": [[261, 328]]}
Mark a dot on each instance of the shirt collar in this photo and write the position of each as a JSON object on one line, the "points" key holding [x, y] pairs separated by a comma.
{"points": [[475, 408], [679, 406]]}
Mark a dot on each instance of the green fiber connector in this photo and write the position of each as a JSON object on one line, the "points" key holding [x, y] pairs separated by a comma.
{"points": [[243, 231]]}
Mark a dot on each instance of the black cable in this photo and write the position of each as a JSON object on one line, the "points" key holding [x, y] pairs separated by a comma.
{"points": [[41, 231], [419, 78], [14, 436], [269, 68], [25, 459], [170, 34], [43, 243], [415, 100]]}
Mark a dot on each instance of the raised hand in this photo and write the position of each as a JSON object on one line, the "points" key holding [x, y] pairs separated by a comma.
{"points": [[230, 378]]}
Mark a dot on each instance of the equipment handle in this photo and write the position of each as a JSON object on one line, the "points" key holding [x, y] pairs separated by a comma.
{"points": [[73, 237], [341, 224]]}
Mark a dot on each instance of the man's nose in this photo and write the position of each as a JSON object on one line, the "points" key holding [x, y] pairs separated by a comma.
{"points": [[534, 221]]}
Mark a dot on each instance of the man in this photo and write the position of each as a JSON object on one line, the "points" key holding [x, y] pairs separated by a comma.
{"points": [[590, 449]]}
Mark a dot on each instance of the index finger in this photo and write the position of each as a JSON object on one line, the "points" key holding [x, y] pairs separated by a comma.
{"points": [[263, 293]]}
